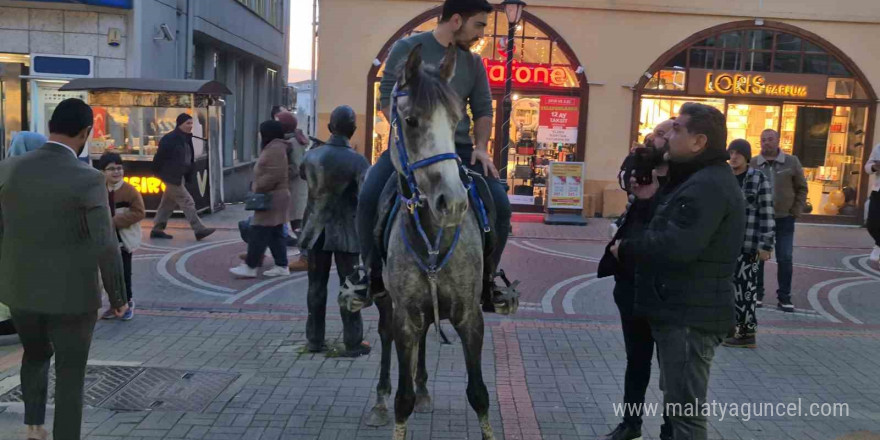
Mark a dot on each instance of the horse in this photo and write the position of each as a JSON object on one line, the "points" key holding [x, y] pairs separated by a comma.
{"points": [[434, 263]]}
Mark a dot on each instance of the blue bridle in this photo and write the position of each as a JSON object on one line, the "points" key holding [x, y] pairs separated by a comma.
{"points": [[430, 266]]}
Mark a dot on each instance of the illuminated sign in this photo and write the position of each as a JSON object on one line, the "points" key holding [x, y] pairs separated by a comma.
{"points": [[146, 185], [775, 85], [543, 75]]}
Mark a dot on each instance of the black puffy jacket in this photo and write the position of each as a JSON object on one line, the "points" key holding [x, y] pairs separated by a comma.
{"points": [[686, 257], [169, 163]]}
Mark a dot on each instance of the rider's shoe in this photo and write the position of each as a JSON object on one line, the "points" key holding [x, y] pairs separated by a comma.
{"points": [[503, 300]]}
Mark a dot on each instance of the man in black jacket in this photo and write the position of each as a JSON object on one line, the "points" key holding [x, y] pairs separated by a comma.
{"points": [[173, 164], [685, 261]]}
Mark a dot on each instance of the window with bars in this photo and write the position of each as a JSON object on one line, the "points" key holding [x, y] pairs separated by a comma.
{"points": [[270, 10]]}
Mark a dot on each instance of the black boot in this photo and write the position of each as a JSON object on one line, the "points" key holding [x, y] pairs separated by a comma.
{"points": [[502, 300], [625, 431]]}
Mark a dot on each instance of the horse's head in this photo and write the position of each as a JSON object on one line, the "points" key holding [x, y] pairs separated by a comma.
{"points": [[427, 111]]}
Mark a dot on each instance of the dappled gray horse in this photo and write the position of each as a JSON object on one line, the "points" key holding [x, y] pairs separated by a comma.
{"points": [[434, 267]]}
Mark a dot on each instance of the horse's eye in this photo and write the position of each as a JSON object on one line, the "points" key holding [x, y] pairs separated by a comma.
{"points": [[412, 122]]}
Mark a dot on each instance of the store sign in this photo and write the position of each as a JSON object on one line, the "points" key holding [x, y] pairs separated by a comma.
{"points": [[535, 75], [558, 120], [773, 85], [566, 189], [146, 185]]}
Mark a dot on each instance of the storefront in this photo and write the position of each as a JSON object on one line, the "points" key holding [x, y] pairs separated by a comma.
{"points": [[131, 116], [775, 76], [550, 96]]}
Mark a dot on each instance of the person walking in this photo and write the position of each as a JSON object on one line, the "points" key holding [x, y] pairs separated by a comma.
{"points": [[335, 173], [54, 210], [25, 142], [685, 260], [758, 244], [299, 189], [267, 227], [786, 176], [173, 164], [127, 210], [872, 167]]}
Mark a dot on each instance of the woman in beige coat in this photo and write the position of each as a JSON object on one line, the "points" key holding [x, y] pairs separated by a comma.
{"points": [[267, 227], [299, 190]]}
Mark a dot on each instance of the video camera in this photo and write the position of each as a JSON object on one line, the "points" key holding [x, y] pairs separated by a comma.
{"points": [[640, 164]]}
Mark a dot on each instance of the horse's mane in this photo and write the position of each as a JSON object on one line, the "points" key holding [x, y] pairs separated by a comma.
{"points": [[429, 89]]}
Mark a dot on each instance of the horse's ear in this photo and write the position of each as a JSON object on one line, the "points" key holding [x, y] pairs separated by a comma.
{"points": [[447, 67], [413, 64]]}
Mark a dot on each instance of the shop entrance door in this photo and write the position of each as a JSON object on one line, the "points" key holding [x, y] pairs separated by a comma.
{"points": [[747, 120]]}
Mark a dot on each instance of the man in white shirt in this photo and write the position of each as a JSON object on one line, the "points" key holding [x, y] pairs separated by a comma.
{"points": [[872, 167]]}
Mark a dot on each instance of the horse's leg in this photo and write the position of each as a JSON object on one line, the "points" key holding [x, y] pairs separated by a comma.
{"points": [[423, 397], [406, 340], [379, 414], [470, 330]]}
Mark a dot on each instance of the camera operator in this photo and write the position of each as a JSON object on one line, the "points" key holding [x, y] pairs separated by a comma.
{"points": [[636, 330], [685, 259]]}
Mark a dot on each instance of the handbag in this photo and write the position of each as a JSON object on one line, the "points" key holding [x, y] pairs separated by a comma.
{"points": [[258, 202], [130, 236]]}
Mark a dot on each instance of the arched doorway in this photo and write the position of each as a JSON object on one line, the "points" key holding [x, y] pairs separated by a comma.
{"points": [[545, 69], [775, 76]]}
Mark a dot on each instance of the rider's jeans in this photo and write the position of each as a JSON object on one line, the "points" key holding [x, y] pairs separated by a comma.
{"points": [[375, 182]]}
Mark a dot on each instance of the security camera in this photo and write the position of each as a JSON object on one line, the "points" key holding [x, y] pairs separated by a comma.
{"points": [[166, 33]]}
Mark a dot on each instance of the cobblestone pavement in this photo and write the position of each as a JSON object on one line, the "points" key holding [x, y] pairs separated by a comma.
{"points": [[553, 372]]}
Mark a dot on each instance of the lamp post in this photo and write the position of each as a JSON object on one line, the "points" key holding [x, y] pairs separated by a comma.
{"points": [[513, 9]]}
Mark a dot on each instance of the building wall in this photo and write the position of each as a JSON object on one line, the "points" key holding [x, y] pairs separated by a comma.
{"points": [[614, 41], [60, 29]]}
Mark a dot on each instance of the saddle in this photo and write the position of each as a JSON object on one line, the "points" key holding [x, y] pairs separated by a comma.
{"points": [[389, 205]]}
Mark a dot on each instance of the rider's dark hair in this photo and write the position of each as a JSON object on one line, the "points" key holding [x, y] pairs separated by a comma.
{"points": [[465, 8]]}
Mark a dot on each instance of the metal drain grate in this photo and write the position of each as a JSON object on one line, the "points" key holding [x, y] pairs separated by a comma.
{"points": [[137, 388]]}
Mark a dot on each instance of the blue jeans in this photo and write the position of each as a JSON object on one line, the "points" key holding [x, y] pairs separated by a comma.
{"points": [[381, 171], [784, 254]]}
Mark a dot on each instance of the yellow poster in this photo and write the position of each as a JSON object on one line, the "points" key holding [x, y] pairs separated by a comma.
{"points": [[566, 185]]}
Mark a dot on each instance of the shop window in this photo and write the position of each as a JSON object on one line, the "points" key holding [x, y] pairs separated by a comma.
{"points": [[836, 68], [486, 48], [702, 58], [730, 60], [758, 61], [840, 88], [860, 92], [667, 80], [787, 62], [747, 121], [536, 51], [759, 40], [817, 64], [812, 48], [533, 32], [788, 42], [656, 109], [677, 62]]}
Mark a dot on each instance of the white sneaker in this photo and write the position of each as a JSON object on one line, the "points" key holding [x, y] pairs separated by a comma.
{"points": [[243, 271], [875, 255], [277, 271]]}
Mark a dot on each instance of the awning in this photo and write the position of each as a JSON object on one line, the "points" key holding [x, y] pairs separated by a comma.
{"points": [[149, 85]]}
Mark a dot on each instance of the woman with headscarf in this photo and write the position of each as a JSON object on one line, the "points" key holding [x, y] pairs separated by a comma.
{"points": [[299, 190], [25, 142], [267, 227]]}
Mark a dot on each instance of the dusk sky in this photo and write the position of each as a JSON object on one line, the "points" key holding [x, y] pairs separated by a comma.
{"points": [[300, 40]]}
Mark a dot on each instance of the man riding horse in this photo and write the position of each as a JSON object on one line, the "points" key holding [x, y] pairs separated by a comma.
{"points": [[462, 23]]}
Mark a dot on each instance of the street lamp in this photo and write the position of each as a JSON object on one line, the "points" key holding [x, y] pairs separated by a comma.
{"points": [[513, 9]]}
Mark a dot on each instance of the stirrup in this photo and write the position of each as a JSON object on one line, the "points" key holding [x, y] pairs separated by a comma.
{"points": [[353, 294], [505, 299]]}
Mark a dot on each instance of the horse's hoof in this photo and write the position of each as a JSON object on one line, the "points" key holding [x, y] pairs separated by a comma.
{"points": [[378, 417], [423, 404], [399, 431]]}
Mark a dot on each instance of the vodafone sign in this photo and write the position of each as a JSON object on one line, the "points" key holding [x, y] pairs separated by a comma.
{"points": [[534, 75]]}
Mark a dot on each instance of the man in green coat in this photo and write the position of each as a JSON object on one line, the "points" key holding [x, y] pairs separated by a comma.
{"points": [[55, 235]]}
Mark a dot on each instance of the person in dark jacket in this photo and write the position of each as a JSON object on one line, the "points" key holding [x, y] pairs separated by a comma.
{"points": [[173, 164], [685, 259], [334, 173], [636, 330]]}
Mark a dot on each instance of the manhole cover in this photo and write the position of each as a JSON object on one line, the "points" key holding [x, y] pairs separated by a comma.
{"points": [[164, 389], [100, 383], [137, 388]]}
